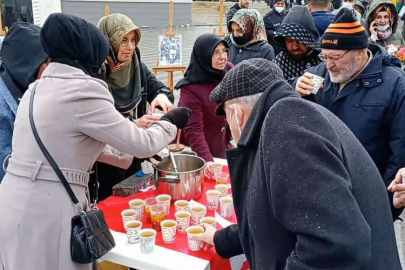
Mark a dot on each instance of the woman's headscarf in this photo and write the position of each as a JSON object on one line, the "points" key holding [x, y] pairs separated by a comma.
{"points": [[384, 34], [125, 77], [200, 69], [251, 23], [22, 55], [73, 41]]}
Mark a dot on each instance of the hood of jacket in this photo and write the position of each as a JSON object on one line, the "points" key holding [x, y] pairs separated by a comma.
{"points": [[373, 6], [301, 16]]}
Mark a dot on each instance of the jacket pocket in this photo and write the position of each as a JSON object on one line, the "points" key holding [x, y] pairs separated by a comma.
{"points": [[366, 106]]}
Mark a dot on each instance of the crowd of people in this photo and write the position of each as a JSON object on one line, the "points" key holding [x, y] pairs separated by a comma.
{"points": [[316, 171]]}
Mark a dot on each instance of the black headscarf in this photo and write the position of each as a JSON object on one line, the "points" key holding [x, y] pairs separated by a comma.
{"points": [[21, 55], [73, 41], [200, 69]]}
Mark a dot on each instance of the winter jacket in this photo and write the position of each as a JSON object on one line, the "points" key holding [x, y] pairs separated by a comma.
{"points": [[8, 110], [396, 36], [230, 14], [322, 19], [373, 107], [272, 22], [205, 132], [306, 193], [261, 49]]}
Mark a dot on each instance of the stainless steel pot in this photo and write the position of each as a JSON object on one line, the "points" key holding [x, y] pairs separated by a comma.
{"points": [[187, 183]]}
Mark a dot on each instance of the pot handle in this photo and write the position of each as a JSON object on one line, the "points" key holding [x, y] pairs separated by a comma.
{"points": [[170, 179]]}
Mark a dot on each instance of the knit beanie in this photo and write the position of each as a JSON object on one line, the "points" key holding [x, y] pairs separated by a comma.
{"points": [[345, 33]]}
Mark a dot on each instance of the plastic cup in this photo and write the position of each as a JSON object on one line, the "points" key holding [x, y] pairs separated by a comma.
{"points": [[169, 228], [165, 200], [148, 240], [148, 203], [181, 205], [183, 220], [197, 212], [226, 206], [128, 215], [139, 206], [194, 245], [157, 215], [223, 189], [222, 177], [213, 199], [132, 228]]}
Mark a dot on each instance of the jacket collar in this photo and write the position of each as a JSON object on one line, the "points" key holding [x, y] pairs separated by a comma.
{"points": [[275, 92]]}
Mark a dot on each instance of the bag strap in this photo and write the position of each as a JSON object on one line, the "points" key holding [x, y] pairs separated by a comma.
{"points": [[47, 155]]}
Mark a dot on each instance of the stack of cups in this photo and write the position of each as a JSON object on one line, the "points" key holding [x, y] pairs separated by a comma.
{"points": [[213, 199], [194, 245], [139, 206], [226, 206], [132, 228], [128, 215], [165, 200], [168, 230], [181, 205], [222, 177], [157, 214], [148, 240], [197, 212], [223, 189], [183, 220], [317, 80], [149, 202]]}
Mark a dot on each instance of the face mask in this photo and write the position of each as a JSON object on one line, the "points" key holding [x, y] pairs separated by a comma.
{"points": [[347, 5], [280, 9], [382, 28], [243, 40], [233, 142]]}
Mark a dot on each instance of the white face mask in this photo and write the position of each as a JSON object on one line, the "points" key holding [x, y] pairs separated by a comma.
{"points": [[347, 5], [233, 142], [279, 9], [382, 28]]}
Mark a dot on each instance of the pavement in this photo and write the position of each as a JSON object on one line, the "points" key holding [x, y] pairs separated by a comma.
{"points": [[149, 49]]}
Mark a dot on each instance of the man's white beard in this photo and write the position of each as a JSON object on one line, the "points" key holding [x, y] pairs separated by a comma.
{"points": [[347, 73]]}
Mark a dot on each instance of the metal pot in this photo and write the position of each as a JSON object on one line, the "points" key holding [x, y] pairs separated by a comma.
{"points": [[187, 183]]}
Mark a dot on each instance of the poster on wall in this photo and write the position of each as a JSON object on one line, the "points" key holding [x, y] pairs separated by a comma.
{"points": [[170, 51]]}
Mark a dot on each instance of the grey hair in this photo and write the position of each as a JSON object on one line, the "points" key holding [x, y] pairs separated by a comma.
{"points": [[245, 101]]}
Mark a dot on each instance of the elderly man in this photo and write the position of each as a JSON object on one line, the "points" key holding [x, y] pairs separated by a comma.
{"points": [[306, 193], [241, 4], [365, 88], [272, 21], [298, 40]]}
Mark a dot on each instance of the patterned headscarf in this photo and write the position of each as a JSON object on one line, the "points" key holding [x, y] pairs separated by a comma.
{"points": [[383, 8], [251, 22]]}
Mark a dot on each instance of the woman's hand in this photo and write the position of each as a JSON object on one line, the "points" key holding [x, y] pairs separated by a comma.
{"points": [[373, 27], [207, 237], [145, 121], [398, 188], [163, 102], [208, 171]]}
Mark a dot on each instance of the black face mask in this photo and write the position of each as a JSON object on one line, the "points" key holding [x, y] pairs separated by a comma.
{"points": [[243, 40]]}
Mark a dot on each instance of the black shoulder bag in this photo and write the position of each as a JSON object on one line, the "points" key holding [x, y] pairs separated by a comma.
{"points": [[90, 238]]}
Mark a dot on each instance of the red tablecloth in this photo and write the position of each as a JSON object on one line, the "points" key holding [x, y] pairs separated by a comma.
{"points": [[113, 206]]}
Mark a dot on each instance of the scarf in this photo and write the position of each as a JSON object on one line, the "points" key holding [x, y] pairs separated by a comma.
{"points": [[125, 77], [294, 68], [384, 35], [251, 23]]}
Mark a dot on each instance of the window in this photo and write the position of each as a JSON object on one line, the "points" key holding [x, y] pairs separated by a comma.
{"points": [[15, 11]]}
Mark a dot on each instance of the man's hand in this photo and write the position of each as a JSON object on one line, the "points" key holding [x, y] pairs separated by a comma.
{"points": [[305, 84], [145, 121], [398, 188], [163, 102], [207, 237]]}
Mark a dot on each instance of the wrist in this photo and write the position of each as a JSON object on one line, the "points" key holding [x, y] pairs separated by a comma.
{"points": [[374, 37]]}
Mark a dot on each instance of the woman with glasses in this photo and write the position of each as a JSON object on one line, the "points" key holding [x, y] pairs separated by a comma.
{"points": [[205, 133], [132, 85], [248, 38]]}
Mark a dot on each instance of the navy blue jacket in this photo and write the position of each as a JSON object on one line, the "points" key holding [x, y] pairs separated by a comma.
{"points": [[272, 22], [322, 20], [373, 107]]}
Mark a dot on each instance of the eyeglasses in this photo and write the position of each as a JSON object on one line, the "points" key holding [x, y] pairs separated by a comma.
{"points": [[125, 42], [218, 54], [331, 58]]}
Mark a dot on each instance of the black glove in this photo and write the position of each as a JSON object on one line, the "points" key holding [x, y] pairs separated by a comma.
{"points": [[178, 117]]}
